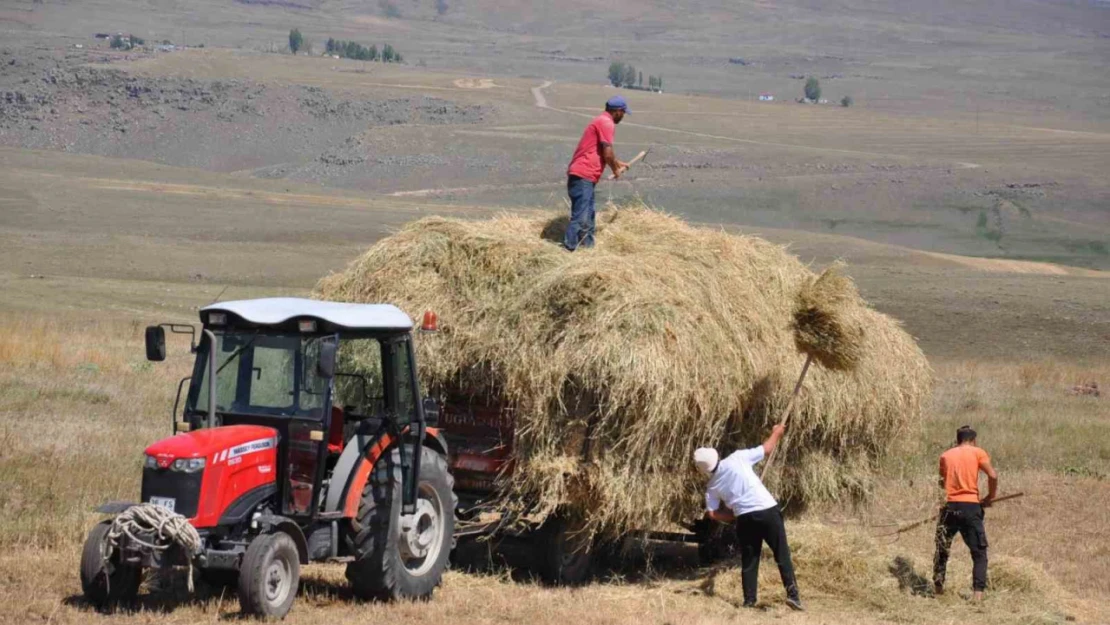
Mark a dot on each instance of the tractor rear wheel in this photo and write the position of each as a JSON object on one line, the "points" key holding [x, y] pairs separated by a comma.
{"points": [[402, 556], [269, 576], [107, 582]]}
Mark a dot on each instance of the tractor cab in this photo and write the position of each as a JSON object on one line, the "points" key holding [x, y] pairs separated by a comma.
{"points": [[315, 372], [302, 427]]}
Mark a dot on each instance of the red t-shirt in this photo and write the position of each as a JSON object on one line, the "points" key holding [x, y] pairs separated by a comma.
{"points": [[586, 162]]}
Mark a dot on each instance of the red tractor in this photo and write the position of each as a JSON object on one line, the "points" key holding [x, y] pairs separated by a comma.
{"points": [[288, 452]]}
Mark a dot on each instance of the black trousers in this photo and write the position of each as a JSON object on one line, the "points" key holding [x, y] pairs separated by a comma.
{"points": [[753, 529], [967, 519]]}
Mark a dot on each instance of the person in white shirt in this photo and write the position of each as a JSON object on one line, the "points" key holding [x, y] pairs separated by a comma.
{"points": [[733, 483]]}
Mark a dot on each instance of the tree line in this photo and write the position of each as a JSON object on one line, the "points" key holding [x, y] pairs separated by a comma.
{"points": [[625, 75], [348, 49], [359, 52]]}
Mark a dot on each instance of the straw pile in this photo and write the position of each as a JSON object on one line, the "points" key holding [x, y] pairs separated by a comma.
{"points": [[619, 361]]}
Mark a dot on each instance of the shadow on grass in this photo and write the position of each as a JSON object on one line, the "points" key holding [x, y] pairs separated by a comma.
{"points": [[554, 229], [634, 561], [908, 578], [166, 591]]}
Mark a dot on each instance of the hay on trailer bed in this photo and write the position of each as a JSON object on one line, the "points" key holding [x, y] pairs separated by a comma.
{"points": [[619, 361]]}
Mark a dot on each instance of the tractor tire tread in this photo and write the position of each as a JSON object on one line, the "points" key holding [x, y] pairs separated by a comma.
{"points": [[260, 553], [378, 572], [107, 591]]}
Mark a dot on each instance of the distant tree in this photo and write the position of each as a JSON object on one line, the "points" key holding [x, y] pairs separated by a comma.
{"points": [[846, 101], [640, 80], [389, 9], [397, 58], [441, 6], [629, 76], [616, 73], [659, 83], [372, 53], [387, 53], [118, 43], [137, 41], [295, 40], [981, 224], [329, 47], [813, 89]]}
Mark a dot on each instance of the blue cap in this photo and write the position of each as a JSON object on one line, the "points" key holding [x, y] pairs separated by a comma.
{"points": [[617, 102]]}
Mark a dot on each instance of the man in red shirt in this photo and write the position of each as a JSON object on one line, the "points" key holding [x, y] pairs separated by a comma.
{"points": [[963, 512], [594, 152]]}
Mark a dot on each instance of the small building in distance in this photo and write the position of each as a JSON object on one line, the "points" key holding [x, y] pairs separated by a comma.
{"points": [[766, 97]]}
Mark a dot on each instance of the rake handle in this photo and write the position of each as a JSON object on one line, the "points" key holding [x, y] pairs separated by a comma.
{"points": [[933, 517], [786, 413], [639, 157]]}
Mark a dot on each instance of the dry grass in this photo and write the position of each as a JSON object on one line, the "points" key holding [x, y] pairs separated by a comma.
{"points": [[78, 403], [619, 361], [844, 564]]}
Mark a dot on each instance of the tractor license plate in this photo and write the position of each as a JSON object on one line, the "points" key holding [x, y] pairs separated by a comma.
{"points": [[164, 502]]}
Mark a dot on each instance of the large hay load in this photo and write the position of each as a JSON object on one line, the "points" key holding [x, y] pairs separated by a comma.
{"points": [[619, 361]]}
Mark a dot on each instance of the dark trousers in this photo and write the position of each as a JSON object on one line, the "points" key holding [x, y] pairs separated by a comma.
{"points": [[967, 519], [580, 230], [753, 529]]}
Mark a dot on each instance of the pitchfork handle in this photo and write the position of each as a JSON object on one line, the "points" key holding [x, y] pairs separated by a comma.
{"points": [[786, 414]]}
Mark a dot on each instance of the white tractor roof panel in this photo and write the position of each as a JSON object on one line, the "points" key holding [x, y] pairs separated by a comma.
{"points": [[276, 310]]}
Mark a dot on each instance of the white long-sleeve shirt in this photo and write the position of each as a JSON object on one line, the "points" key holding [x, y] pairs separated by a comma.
{"points": [[736, 484]]}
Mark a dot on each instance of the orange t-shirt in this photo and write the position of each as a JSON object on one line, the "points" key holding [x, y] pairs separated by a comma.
{"points": [[960, 467]]}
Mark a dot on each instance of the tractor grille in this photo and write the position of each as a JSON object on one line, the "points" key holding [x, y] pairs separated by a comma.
{"points": [[183, 487]]}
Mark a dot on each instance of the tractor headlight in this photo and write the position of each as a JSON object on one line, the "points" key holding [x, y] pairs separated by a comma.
{"points": [[151, 462], [188, 465]]}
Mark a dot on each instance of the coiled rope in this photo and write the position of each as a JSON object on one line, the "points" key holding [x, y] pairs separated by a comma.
{"points": [[168, 529]]}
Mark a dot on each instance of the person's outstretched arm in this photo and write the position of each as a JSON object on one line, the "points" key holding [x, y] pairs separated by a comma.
{"points": [[773, 439]]}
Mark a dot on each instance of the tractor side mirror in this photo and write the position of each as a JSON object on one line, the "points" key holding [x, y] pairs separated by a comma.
{"points": [[155, 343], [325, 366], [431, 412]]}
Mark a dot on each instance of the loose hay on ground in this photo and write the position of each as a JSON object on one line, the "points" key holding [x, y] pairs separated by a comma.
{"points": [[618, 361], [841, 564]]}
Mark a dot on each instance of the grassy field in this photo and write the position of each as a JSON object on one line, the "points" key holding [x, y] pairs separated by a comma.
{"points": [[78, 405], [966, 189]]}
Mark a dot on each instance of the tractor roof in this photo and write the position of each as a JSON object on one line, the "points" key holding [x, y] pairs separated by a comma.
{"points": [[279, 310]]}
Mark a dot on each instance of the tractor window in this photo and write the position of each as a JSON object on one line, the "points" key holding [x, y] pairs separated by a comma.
{"points": [[358, 377], [406, 391], [270, 374], [271, 386]]}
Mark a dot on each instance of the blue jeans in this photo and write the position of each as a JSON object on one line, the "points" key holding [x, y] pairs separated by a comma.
{"points": [[580, 230]]}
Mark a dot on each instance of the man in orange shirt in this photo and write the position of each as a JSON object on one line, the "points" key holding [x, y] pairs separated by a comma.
{"points": [[594, 152], [963, 512]]}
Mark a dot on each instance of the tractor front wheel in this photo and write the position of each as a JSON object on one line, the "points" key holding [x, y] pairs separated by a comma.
{"points": [[269, 576], [107, 582], [402, 556]]}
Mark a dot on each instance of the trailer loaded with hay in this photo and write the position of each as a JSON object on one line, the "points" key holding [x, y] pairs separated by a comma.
{"points": [[575, 386]]}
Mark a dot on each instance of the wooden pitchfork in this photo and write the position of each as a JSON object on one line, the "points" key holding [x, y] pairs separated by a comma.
{"points": [[933, 517], [786, 413]]}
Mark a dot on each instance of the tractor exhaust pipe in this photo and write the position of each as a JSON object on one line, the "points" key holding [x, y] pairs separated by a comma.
{"points": [[211, 378]]}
